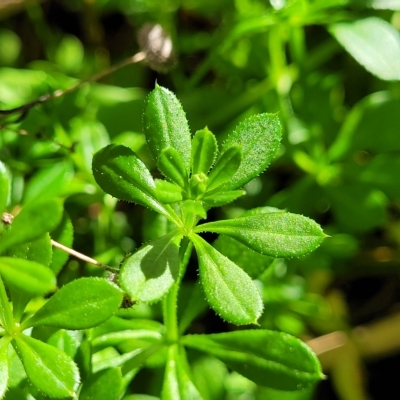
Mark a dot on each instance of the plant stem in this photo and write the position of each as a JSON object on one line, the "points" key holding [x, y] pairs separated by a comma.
{"points": [[5, 310], [170, 301]]}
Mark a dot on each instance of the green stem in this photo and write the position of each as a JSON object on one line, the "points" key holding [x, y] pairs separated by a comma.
{"points": [[170, 302], [6, 314]]}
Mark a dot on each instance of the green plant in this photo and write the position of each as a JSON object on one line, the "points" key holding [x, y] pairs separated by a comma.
{"points": [[199, 176]]}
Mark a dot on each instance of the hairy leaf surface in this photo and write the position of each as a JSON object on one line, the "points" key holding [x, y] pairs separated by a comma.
{"points": [[268, 358]]}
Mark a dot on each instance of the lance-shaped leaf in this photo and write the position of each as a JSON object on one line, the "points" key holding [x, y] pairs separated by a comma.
{"points": [[229, 290], [374, 43], [4, 342], [165, 125], [28, 276], [48, 368], [4, 186], [171, 165], [225, 168], [168, 192], [220, 198], [268, 358], [80, 304], [103, 385], [258, 137], [276, 234], [204, 151], [177, 383], [119, 172], [149, 273], [32, 222]]}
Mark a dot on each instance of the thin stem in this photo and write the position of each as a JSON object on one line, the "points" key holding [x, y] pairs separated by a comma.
{"points": [[170, 302], [23, 110], [5, 310], [82, 257]]}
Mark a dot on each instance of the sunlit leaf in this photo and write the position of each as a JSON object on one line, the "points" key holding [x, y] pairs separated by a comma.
{"points": [[229, 290], [48, 368], [374, 43], [165, 125], [149, 273], [258, 137], [277, 234], [80, 304]]}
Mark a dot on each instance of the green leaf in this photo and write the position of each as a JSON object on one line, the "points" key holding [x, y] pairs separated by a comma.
{"points": [[4, 342], [171, 165], [204, 151], [218, 199], [194, 207], [67, 341], [4, 186], [38, 250], [81, 304], [276, 234], [374, 43], [177, 383], [49, 182], [168, 192], [32, 222], [165, 125], [225, 167], [258, 137], [377, 4], [149, 273], [28, 276], [252, 262], [229, 290], [103, 385], [191, 304], [119, 172], [268, 358], [49, 369], [64, 234]]}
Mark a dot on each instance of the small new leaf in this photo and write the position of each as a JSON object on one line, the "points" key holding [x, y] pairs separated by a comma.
{"points": [[148, 274], [268, 358], [226, 166], [171, 165], [204, 151], [277, 234], [229, 290]]}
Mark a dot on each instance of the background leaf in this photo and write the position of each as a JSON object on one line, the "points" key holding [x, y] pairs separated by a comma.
{"points": [[374, 43], [4, 186], [269, 358], [103, 385], [32, 222], [28, 276]]}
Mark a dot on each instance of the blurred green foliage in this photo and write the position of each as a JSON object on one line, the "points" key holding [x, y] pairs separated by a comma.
{"points": [[329, 69]]}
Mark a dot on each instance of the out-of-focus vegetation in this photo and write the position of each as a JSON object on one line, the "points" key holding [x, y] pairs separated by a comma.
{"points": [[328, 68]]}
